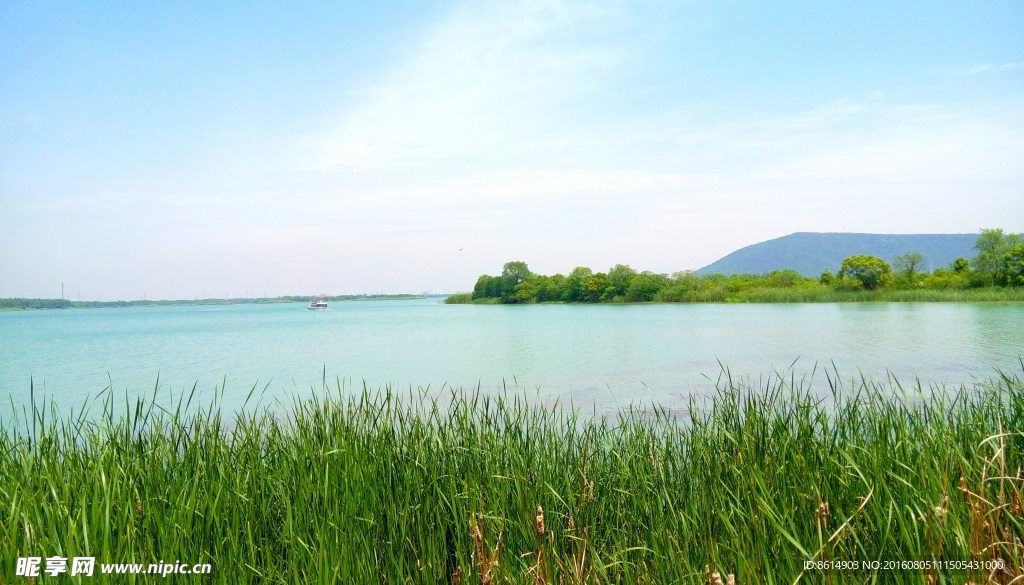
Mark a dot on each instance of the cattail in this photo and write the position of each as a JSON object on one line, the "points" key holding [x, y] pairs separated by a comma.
{"points": [[539, 525], [572, 523], [590, 496], [942, 510], [823, 511], [716, 577]]}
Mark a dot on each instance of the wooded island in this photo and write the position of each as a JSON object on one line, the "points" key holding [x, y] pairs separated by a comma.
{"points": [[996, 273]]}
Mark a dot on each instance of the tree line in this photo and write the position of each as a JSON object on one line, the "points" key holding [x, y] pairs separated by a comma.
{"points": [[999, 263]]}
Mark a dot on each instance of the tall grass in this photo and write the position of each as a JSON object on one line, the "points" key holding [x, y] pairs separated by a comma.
{"points": [[461, 487], [459, 299]]}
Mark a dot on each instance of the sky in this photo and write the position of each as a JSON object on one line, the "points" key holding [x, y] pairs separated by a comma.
{"points": [[172, 150]]}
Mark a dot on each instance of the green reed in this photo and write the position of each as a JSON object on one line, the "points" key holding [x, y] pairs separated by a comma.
{"points": [[453, 486]]}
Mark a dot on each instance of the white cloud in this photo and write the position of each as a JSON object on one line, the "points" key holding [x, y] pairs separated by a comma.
{"points": [[868, 139], [993, 68], [491, 78], [482, 134]]}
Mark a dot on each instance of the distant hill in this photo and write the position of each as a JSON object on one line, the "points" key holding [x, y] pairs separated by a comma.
{"points": [[812, 253]]}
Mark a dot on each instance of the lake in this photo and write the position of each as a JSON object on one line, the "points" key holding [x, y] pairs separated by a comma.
{"points": [[602, 356]]}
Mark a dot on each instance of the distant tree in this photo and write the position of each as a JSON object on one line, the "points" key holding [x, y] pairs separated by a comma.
{"points": [[487, 287], [827, 278], [907, 265], [619, 278], [782, 279], [686, 280], [870, 271], [45, 304], [551, 289], [598, 288], [644, 286], [525, 292], [1011, 273], [512, 274], [992, 246], [516, 272], [575, 284], [961, 265]]}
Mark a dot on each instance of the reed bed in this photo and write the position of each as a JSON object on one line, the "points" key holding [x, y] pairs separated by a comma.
{"points": [[451, 486]]}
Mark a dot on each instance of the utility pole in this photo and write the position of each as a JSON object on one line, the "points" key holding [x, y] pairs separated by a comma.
{"points": [[62, 291]]}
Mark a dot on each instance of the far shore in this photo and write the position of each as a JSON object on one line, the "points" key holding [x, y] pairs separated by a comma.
{"points": [[811, 294], [19, 304]]}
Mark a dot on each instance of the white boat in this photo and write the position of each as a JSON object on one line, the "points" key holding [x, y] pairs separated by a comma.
{"points": [[316, 305]]}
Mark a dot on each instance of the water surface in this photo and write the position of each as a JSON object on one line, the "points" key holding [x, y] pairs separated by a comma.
{"points": [[603, 355]]}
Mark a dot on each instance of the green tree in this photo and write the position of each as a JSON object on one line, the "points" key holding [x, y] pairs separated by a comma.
{"points": [[686, 280], [908, 265], [783, 279], [992, 246], [619, 277], [516, 272], [551, 289], [870, 271], [1011, 273], [512, 274], [597, 287], [525, 292], [487, 287], [953, 278], [644, 286], [575, 284], [960, 266], [827, 278]]}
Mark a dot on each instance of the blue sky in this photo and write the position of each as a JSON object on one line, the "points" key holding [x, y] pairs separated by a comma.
{"points": [[188, 148]]}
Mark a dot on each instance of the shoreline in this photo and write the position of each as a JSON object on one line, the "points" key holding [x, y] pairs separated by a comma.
{"points": [[25, 304], [797, 296]]}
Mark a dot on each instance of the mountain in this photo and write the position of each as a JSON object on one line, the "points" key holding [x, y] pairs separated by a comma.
{"points": [[811, 253]]}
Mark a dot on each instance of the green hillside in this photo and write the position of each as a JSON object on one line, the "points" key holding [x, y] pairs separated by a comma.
{"points": [[810, 253]]}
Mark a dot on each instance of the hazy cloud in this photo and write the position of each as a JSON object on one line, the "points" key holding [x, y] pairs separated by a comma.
{"points": [[489, 79], [991, 68]]}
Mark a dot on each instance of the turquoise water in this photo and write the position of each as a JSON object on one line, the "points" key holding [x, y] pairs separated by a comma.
{"points": [[592, 355]]}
